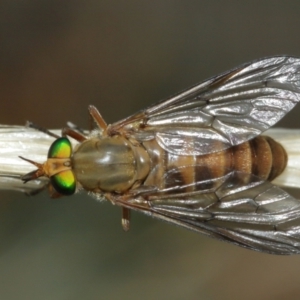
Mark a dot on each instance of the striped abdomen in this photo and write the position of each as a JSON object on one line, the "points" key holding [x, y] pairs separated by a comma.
{"points": [[261, 156]]}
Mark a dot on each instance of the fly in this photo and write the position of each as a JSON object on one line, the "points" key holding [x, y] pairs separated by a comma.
{"points": [[196, 160]]}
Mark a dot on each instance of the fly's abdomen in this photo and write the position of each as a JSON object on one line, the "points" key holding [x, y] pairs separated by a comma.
{"points": [[267, 158], [261, 156], [181, 172]]}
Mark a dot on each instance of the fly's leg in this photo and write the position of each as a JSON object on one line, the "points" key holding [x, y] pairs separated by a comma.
{"points": [[42, 129], [118, 200], [125, 218], [72, 130], [67, 131], [96, 116], [75, 127], [127, 203], [107, 130]]}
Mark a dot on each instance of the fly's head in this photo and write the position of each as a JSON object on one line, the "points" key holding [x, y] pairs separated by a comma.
{"points": [[57, 168]]}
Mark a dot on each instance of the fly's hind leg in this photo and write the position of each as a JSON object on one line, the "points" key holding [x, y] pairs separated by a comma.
{"points": [[116, 199], [135, 199], [125, 218]]}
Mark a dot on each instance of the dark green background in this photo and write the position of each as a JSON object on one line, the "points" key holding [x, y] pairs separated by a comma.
{"points": [[56, 57]]}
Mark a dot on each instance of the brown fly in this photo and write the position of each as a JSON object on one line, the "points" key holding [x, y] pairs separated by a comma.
{"points": [[196, 160]]}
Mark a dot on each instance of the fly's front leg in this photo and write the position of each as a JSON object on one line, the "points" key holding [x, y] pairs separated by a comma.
{"points": [[79, 137], [75, 127], [67, 131], [41, 129]]}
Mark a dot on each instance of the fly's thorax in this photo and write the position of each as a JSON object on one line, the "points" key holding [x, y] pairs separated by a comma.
{"points": [[110, 164]]}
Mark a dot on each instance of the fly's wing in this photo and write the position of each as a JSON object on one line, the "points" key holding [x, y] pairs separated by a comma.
{"points": [[240, 208], [230, 108]]}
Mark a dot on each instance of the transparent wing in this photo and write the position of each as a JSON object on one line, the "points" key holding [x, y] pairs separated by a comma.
{"points": [[230, 108], [240, 209]]}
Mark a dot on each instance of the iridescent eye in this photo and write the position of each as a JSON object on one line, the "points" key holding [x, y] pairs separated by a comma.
{"points": [[64, 182], [61, 148]]}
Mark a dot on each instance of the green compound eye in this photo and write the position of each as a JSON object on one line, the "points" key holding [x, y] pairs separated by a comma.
{"points": [[64, 182], [61, 148]]}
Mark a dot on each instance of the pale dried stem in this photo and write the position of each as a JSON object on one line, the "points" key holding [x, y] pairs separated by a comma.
{"points": [[18, 141]]}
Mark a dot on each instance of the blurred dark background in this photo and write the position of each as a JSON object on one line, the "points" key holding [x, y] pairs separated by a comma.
{"points": [[56, 58]]}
